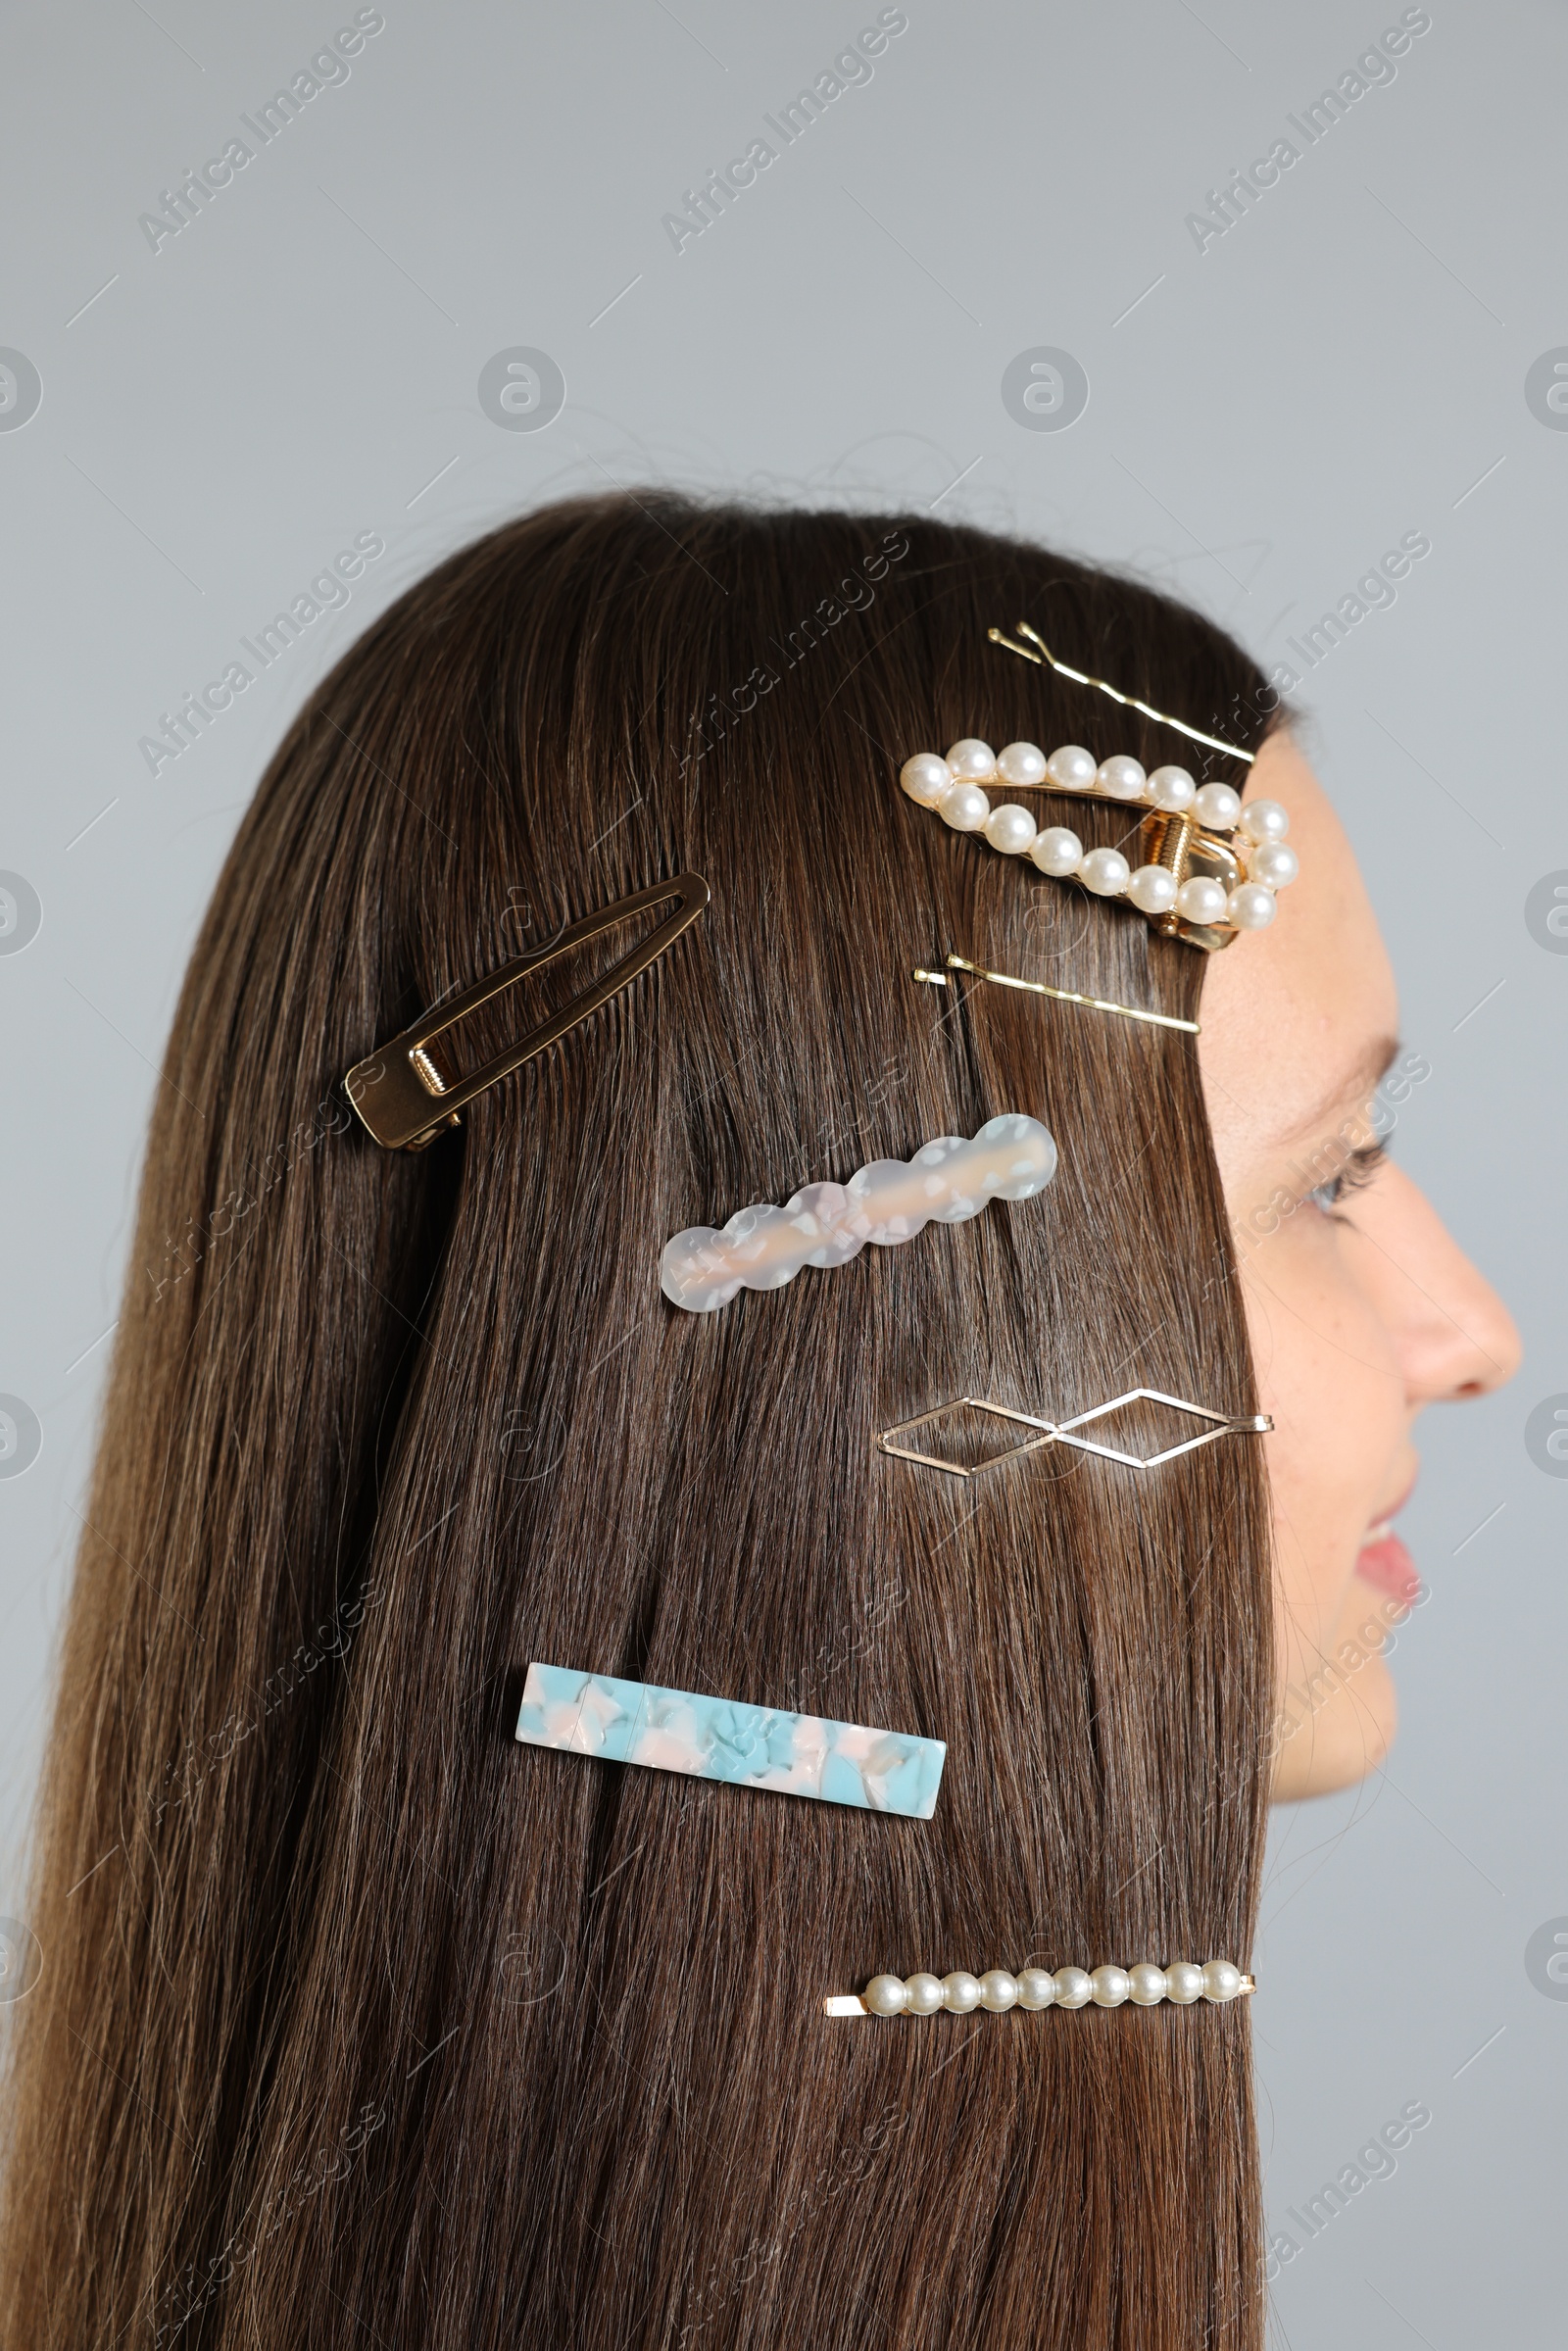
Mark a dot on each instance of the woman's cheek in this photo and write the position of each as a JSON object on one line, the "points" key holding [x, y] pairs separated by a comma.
{"points": [[1330, 1381]]}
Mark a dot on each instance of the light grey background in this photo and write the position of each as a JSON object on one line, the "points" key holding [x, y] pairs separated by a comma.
{"points": [[1266, 416]]}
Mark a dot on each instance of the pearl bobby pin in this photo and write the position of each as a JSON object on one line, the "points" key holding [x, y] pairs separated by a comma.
{"points": [[1183, 1981], [1064, 995], [1250, 1424], [1211, 867]]}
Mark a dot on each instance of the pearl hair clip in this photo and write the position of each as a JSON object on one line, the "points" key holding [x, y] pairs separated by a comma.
{"points": [[998, 1990], [888, 1202], [1063, 1431], [1211, 867]]}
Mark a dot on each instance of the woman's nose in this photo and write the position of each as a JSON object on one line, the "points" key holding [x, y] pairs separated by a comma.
{"points": [[1456, 1337]]}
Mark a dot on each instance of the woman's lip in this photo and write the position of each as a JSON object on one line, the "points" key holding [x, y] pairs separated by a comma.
{"points": [[1380, 1525], [1383, 1562]]}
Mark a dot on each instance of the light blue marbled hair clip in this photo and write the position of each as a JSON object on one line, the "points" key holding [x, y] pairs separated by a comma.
{"points": [[718, 1739], [889, 1201]]}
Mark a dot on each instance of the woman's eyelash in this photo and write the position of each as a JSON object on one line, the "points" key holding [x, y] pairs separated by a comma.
{"points": [[1358, 1170]]}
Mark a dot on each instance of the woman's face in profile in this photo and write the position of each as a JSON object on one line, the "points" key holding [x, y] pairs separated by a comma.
{"points": [[1363, 1309]]}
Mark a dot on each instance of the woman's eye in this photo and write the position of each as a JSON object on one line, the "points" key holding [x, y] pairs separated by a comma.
{"points": [[1358, 1170]]}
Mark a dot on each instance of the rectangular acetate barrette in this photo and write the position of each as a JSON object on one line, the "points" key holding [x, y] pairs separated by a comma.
{"points": [[721, 1739]]}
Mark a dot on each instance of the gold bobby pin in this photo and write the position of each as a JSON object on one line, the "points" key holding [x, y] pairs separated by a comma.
{"points": [[408, 1090], [1064, 995], [1129, 702]]}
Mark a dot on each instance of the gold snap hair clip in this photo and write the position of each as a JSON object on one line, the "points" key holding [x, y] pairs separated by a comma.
{"points": [[1053, 1432], [1182, 1982], [1063, 996], [409, 1089], [1211, 867]]}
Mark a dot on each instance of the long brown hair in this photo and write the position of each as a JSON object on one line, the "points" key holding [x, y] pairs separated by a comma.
{"points": [[372, 2019]]}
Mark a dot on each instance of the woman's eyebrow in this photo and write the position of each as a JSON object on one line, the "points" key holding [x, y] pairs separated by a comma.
{"points": [[1348, 1092]]}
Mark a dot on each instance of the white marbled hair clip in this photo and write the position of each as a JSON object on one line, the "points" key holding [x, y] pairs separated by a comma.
{"points": [[949, 1180]]}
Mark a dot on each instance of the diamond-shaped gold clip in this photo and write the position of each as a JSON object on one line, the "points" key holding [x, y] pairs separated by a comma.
{"points": [[1061, 1431]]}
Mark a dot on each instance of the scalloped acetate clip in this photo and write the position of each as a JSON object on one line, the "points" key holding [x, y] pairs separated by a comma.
{"points": [[886, 1202]]}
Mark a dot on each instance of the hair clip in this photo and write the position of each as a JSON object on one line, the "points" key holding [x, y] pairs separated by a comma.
{"points": [[1064, 995], [1192, 884], [1129, 702], [888, 1202], [999, 1990], [409, 1089], [1211, 867], [1061, 1431], [717, 1738]]}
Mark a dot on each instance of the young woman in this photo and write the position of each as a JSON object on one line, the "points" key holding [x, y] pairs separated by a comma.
{"points": [[378, 2025]]}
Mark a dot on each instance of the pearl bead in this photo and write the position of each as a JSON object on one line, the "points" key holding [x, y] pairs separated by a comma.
{"points": [[1264, 820], [1171, 788], [925, 777], [1216, 805], [1153, 889], [925, 1992], [1111, 1986], [961, 1993], [1199, 900], [1251, 906], [998, 1991], [972, 759], [886, 1996], [1058, 851], [1148, 1983], [1036, 1988], [1073, 1987], [1274, 863], [1071, 766], [1123, 778], [1184, 1983], [1021, 763], [1221, 1981], [1105, 871], [965, 807], [1010, 829]]}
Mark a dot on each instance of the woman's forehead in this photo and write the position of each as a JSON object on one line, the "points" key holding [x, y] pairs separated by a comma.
{"points": [[1300, 1017]]}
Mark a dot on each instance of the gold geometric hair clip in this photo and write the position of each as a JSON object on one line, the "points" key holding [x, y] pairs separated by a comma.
{"points": [[410, 1090], [1250, 1424], [1211, 867], [1064, 995]]}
